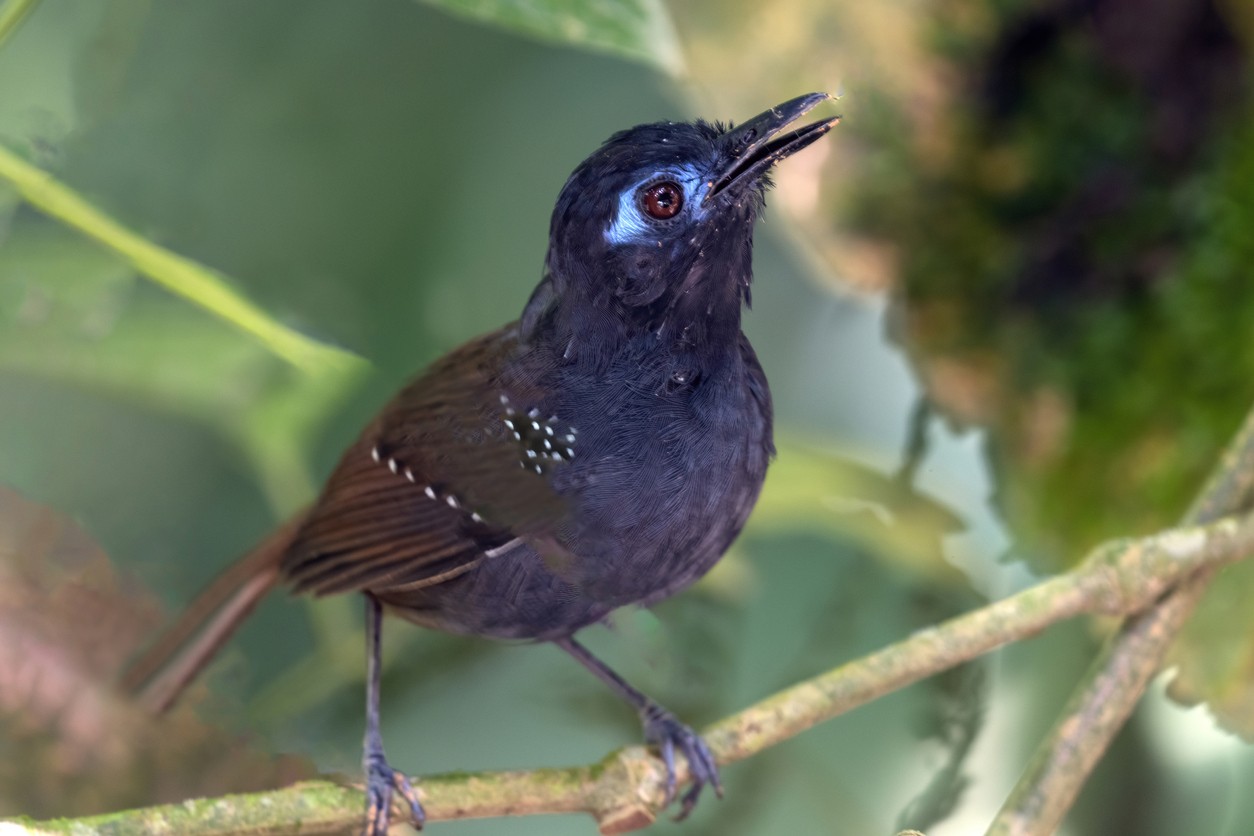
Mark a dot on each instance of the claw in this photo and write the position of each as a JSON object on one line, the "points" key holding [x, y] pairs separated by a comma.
{"points": [[381, 782], [663, 729], [668, 758]]}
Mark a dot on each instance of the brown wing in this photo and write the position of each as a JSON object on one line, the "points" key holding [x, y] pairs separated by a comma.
{"points": [[435, 486]]}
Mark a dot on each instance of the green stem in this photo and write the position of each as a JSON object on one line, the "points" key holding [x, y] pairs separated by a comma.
{"points": [[12, 14], [179, 275]]}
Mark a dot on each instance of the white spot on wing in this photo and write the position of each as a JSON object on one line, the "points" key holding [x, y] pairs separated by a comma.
{"points": [[503, 548]]}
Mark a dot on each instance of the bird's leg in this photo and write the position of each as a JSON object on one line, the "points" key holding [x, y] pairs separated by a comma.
{"points": [[381, 779], [661, 728]]}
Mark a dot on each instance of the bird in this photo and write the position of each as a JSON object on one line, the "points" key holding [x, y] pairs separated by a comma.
{"points": [[604, 450]]}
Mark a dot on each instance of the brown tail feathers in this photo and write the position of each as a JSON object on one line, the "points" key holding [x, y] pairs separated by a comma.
{"points": [[159, 675]]}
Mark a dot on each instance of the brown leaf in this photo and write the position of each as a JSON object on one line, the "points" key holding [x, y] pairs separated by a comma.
{"points": [[74, 745]]}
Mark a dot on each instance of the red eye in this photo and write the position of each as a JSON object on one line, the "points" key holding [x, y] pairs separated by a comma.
{"points": [[663, 200]]}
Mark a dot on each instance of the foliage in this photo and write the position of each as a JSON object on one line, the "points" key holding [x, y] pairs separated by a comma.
{"points": [[637, 29]]}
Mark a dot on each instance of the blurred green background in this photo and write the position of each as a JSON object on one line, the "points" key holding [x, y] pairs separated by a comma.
{"points": [[1004, 309]]}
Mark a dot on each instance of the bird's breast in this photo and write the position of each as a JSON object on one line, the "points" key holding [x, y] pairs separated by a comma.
{"points": [[664, 471]]}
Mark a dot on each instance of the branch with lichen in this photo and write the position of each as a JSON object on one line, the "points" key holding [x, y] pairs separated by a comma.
{"points": [[1104, 700], [623, 792]]}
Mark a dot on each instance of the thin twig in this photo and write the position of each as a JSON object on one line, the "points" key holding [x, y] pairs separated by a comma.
{"points": [[623, 791], [1104, 700]]}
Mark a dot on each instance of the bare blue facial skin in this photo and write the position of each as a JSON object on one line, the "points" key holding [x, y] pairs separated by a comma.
{"points": [[630, 226]]}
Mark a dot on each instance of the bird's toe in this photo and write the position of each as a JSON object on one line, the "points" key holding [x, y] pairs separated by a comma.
{"points": [[382, 782], [665, 731]]}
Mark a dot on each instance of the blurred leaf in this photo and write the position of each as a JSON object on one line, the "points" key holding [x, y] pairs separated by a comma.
{"points": [[9, 201], [316, 677], [101, 68], [12, 13], [74, 313], [184, 277], [73, 745], [637, 29], [809, 489], [50, 278], [1214, 654], [39, 91]]}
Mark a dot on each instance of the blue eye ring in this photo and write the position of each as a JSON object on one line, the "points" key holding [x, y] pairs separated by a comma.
{"points": [[662, 200]]}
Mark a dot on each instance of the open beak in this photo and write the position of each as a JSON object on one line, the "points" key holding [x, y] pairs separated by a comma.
{"points": [[756, 145]]}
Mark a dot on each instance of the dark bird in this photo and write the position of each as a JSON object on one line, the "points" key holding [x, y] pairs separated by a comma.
{"points": [[603, 450]]}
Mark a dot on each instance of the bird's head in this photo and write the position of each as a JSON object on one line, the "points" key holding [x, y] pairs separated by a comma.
{"points": [[657, 225]]}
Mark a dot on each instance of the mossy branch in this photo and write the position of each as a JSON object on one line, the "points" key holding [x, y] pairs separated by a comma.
{"points": [[1103, 701], [624, 790]]}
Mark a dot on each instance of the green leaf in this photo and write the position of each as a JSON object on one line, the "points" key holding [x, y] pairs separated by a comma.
{"points": [[1214, 653], [74, 313], [637, 29], [12, 14], [809, 489], [184, 277]]}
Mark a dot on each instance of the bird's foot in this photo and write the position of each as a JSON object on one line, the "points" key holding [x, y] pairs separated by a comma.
{"points": [[381, 782], [663, 729]]}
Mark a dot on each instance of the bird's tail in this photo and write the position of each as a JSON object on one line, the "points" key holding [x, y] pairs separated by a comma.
{"points": [[159, 675]]}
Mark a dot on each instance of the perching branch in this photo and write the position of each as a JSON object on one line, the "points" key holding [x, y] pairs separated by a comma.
{"points": [[1104, 700], [623, 791]]}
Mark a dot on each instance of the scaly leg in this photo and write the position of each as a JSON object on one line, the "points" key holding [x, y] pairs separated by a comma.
{"points": [[661, 728], [381, 779]]}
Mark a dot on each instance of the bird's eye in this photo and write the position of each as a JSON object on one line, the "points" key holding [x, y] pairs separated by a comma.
{"points": [[662, 201]]}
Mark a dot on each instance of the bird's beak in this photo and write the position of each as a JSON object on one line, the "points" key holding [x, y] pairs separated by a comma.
{"points": [[754, 146]]}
